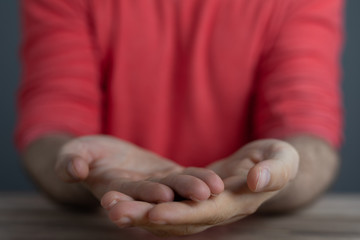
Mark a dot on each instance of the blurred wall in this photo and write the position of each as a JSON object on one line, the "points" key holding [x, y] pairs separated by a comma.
{"points": [[12, 178], [11, 175]]}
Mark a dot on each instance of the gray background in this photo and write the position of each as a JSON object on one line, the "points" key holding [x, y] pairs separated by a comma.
{"points": [[12, 178]]}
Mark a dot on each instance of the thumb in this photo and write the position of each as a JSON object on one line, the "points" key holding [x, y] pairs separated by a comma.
{"points": [[73, 161], [274, 172]]}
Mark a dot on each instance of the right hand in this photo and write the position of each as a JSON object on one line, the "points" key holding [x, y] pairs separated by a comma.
{"points": [[107, 165]]}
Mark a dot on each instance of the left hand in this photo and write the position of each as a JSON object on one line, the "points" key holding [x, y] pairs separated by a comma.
{"points": [[252, 175]]}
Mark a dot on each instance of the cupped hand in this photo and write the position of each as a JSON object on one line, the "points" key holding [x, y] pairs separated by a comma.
{"points": [[105, 164], [267, 165], [254, 174]]}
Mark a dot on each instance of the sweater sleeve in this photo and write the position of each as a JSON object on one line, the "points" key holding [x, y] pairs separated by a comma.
{"points": [[60, 87], [298, 89]]}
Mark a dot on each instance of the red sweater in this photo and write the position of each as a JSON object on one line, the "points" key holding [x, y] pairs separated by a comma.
{"points": [[191, 80]]}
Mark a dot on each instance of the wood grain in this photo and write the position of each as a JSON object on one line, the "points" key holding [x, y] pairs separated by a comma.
{"points": [[30, 216]]}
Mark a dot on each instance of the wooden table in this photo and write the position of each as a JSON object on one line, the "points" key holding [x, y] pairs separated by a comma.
{"points": [[30, 216]]}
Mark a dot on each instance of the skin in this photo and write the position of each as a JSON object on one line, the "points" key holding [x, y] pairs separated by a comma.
{"points": [[138, 188]]}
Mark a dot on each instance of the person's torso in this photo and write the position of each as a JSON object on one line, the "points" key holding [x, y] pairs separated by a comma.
{"points": [[178, 75]]}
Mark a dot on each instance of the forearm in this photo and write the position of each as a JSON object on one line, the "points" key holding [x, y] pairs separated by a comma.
{"points": [[39, 159], [318, 167]]}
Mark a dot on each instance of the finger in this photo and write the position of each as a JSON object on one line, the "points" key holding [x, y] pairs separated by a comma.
{"points": [[236, 183], [210, 212], [73, 161], [123, 210], [111, 198], [72, 169], [214, 182], [130, 213], [144, 190], [178, 213], [274, 173], [187, 186]]}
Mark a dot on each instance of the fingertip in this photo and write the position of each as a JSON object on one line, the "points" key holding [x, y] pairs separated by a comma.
{"points": [[267, 176], [111, 198], [200, 192], [147, 191], [258, 179], [129, 213], [217, 185], [78, 169], [263, 180], [209, 177], [162, 193], [108, 204], [252, 178], [186, 186], [66, 171]]}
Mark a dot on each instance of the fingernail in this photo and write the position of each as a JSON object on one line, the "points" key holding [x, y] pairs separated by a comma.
{"points": [[214, 195], [71, 170], [124, 222], [264, 179], [111, 204]]}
